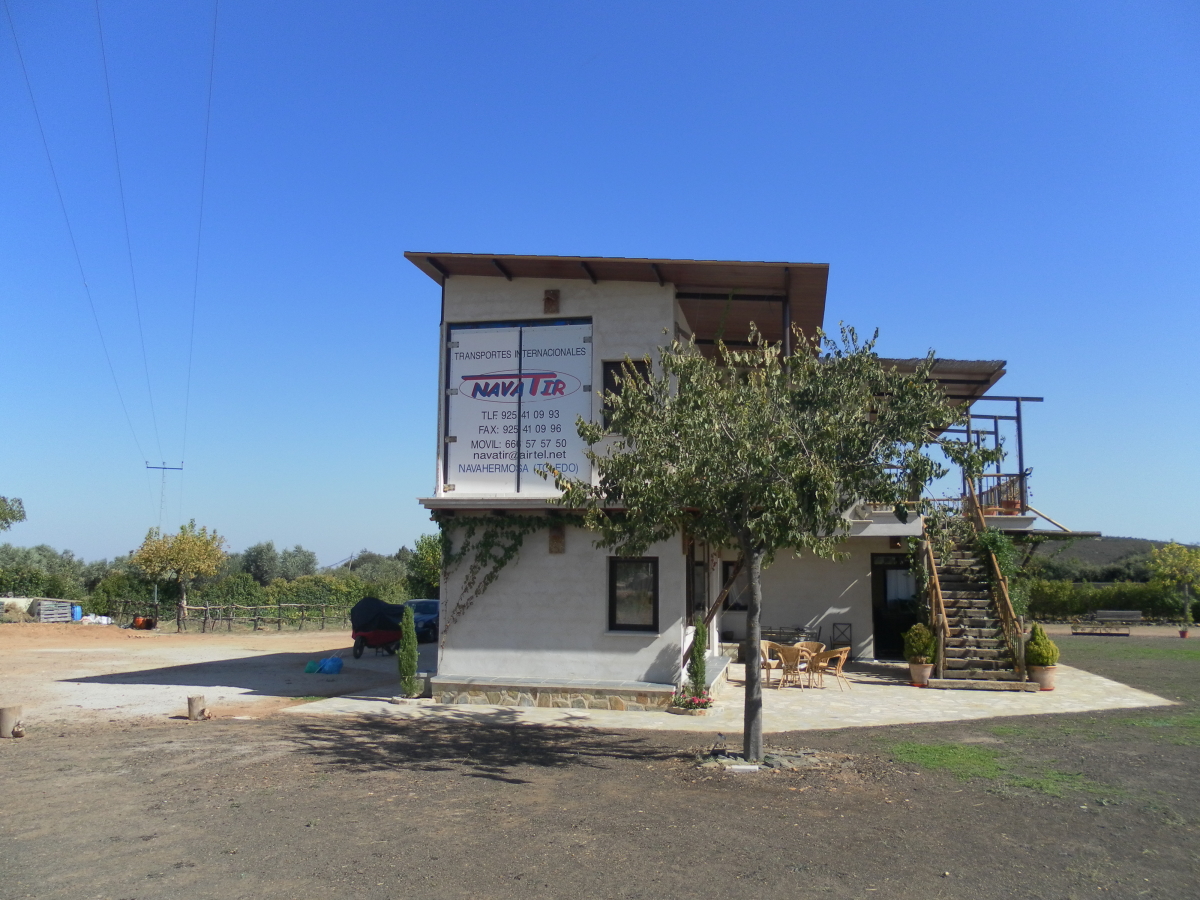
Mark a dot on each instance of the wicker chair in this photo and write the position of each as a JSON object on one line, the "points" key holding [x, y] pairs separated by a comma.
{"points": [[765, 649], [829, 661], [810, 646], [793, 658]]}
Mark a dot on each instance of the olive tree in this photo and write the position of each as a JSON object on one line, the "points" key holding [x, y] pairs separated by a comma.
{"points": [[760, 451], [182, 557]]}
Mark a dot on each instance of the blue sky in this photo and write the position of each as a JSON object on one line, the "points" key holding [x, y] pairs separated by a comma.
{"points": [[1013, 181]]}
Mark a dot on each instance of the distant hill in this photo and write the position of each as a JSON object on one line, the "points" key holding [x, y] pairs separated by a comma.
{"points": [[1098, 551], [1096, 559]]}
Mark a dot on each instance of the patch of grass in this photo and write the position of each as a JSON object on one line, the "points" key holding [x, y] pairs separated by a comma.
{"points": [[966, 761], [312, 697], [1186, 728], [1166, 651], [1013, 731], [1053, 782], [961, 760]]}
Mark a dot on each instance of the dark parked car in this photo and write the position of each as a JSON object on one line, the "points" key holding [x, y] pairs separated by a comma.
{"points": [[425, 614]]}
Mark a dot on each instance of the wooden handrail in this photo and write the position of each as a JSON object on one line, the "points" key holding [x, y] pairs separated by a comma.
{"points": [[937, 606]]}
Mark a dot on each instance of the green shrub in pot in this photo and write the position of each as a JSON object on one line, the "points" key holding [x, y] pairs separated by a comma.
{"points": [[920, 644], [1040, 650]]}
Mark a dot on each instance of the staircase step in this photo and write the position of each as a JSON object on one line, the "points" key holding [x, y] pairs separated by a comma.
{"points": [[980, 643], [983, 665], [971, 620], [983, 674], [961, 684], [961, 603], [990, 634], [966, 595], [977, 653]]}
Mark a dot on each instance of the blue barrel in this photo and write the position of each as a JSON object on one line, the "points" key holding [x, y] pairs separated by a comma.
{"points": [[76, 612]]}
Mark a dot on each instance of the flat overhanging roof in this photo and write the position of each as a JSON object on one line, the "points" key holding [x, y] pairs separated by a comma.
{"points": [[699, 283], [963, 380]]}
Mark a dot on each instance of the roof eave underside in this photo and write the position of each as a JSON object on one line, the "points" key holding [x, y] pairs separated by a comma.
{"points": [[802, 285], [963, 380]]}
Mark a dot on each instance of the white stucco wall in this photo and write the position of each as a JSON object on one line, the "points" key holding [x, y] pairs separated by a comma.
{"points": [[802, 590], [546, 616]]}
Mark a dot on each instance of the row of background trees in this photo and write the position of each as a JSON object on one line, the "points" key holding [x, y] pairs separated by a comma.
{"points": [[260, 575]]}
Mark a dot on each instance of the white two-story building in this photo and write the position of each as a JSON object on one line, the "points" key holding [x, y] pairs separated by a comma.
{"points": [[528, 344]]}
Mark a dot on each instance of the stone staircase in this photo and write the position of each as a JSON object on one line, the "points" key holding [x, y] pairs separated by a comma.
{"points": [[976, 652]]}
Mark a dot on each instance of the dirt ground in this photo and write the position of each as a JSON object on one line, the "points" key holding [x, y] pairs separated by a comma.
{"points": [[1099, 804], [96, 673]]}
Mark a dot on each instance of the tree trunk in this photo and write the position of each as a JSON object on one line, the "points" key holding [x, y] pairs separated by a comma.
{"points": [[752, 744], [181, 610]]}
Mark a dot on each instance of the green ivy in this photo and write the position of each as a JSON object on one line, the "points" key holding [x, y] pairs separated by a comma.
{"points": [[491, 542]]}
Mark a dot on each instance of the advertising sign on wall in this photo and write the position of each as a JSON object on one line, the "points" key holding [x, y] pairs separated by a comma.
{"points": [[514, 392]]}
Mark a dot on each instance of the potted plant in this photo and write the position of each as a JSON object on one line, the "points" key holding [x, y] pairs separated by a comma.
{"points": [[1041, 658], [685, 703], [920, 647], [693, 699]]}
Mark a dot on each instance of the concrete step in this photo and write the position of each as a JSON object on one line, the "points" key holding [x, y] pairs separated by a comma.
{"points": [[961, 604], [982, 674], [980, 643], [966, 684], [990, 634], [983, 665], [977, 653], [971, 621]]}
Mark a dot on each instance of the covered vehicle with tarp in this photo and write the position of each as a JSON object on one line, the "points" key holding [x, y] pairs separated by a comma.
{"points": [[376, 624]]}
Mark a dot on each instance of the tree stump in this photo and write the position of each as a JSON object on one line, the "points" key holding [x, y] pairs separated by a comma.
{"points": [[9, 717], [196, 708]]}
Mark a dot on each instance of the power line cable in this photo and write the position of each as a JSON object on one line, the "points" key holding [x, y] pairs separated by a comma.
{"points": [[112, 123], [70, 231], [212, 59], [187, 397]]}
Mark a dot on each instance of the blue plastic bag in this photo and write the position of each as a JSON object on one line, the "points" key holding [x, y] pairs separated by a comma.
{"points": [[330, 666]]}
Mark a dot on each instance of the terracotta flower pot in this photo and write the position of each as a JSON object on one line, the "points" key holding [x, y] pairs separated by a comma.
{"points": [[1183, 632], [1043, 675], [920, 672]]}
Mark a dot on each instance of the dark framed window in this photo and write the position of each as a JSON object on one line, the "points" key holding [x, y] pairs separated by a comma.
{"points": [[613, 369], [633, 594]]}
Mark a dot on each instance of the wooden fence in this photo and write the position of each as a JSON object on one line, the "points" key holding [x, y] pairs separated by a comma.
{"points": [[211, 616]]}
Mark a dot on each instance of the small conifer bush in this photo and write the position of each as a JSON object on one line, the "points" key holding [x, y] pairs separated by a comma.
{"points": [[410, 684], [1040, 650]]}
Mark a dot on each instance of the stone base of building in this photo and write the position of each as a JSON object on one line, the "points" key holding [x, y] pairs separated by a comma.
{"points": [[626, 696]]}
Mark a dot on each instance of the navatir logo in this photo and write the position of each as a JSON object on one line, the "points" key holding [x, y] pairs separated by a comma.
{"points": [[508, 387]]}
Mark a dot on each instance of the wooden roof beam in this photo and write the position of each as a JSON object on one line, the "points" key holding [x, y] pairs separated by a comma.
{"points": [[503, 271]]}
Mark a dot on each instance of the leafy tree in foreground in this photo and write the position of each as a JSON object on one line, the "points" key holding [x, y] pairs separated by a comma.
{"points": [[1178, 567], [182, 557], [758, 451], [12, 510], [425, 567]]}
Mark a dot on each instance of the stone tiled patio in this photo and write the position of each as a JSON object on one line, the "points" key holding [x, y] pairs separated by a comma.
{"points": [[880, 696]]}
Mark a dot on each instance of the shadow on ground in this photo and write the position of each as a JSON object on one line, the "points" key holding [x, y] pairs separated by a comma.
{"points": [[497, 749], [270, 674]]}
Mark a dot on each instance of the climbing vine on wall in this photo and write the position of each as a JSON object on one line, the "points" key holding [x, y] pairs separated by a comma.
{"points": [[491, 542]]}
